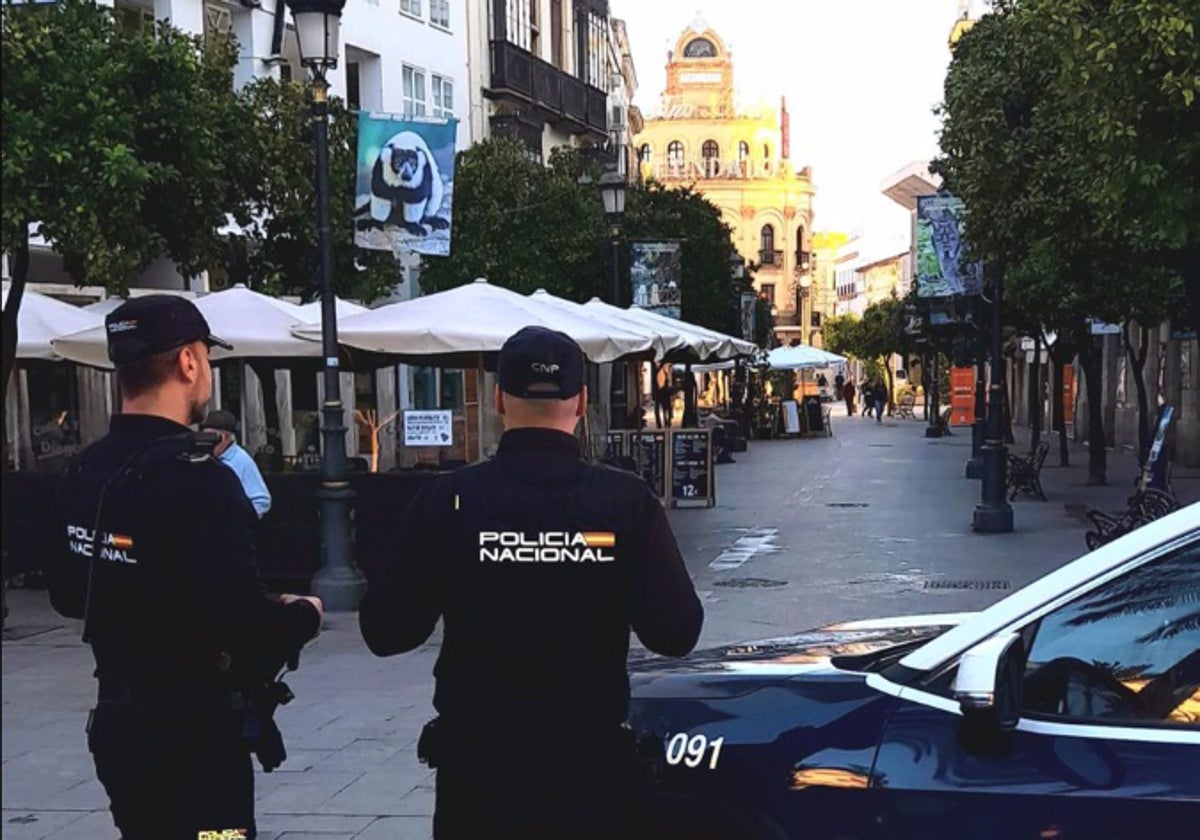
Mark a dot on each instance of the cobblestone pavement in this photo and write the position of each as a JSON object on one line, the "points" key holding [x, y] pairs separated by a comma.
{"points": [[872, 521]]}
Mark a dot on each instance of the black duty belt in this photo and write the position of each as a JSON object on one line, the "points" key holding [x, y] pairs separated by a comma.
{"points": [[198, 698]]}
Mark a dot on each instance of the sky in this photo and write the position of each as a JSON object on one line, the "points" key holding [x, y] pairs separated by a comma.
{"points": [[861, 77]]}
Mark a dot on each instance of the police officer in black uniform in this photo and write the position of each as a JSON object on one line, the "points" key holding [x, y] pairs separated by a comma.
{"points": [[539, 564], [157, 559]]}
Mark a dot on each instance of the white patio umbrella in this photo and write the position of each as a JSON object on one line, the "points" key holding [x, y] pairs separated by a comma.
{"points": [[702, 343], [41, 319], [258, 326], [663, 341], [471, 319], [311, 312], [802, 357]]}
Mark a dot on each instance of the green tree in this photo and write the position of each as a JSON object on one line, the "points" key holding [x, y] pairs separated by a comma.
{"points": [[122, 147], [655, 211], [280, 249], [522, 225], [1047, 159]]}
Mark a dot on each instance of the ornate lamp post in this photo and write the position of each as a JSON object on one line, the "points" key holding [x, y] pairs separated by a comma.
{"points": [[994, 515], [612, 193], [337, 582]]}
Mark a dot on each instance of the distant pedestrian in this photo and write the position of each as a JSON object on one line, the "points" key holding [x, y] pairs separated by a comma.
{"points": [[867, 395], [879, 393], [848, 391], [224, 424], [664, 397], [822, 382], [839, 382]]}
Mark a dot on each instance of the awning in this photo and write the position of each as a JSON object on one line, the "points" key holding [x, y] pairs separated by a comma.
{"points": [[42, 318]]}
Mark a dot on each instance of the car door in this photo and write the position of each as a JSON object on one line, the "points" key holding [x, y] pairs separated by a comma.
{"points": [[1108, 743]]}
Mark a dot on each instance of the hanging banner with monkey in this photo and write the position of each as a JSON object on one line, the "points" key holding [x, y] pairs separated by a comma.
{"points": [[405, 184]]}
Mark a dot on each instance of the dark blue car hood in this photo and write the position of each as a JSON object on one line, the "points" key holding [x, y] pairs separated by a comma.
{"points": [[734, 670]]}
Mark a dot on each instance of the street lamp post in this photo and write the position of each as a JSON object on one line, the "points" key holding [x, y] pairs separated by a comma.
{"points": [[337, 582], [737, 274], [978, 427], [994, 514], [612, 193]]}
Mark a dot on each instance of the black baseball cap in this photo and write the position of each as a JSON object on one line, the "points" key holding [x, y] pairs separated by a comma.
{"points": [[537, 356], [144, 326], [221, 420]]}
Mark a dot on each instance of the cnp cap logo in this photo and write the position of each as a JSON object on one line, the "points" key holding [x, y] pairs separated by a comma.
{"points": [[546, 547], [123, 326], [542, 367]]}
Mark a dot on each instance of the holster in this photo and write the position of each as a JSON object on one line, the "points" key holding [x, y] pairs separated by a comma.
{"points": [[258, 724]]}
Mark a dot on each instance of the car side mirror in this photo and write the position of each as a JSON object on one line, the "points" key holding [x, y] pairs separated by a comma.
{"points": [[988, 690]]}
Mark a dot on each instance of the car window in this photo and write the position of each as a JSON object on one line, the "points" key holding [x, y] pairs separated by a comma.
{"points": [[1128, 650]]}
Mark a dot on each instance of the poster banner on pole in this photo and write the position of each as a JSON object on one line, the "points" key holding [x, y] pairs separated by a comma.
{"points": [[941, 248], [655, 270], [749, 316], [404, 187]]}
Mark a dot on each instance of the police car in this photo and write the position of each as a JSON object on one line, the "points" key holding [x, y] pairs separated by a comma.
{"points": [[1070, 709]]}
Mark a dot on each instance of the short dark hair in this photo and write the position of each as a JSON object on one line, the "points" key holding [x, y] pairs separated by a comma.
{"points": [[139, 377]]}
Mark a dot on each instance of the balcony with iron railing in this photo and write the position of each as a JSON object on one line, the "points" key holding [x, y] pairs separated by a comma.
{"points": [[771, 259], [520, 76]]}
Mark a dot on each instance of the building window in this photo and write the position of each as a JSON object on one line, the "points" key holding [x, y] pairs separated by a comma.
{"points": [[518, 24], [133, 20], [414, 91], [711, 153], [591, 50], [353, 86], [768, 293], [766, 240], [743, 151], [675, 154], [443, 96], [645, 155], [556, 34], [766, 152], [411, 7], [439, 13]]}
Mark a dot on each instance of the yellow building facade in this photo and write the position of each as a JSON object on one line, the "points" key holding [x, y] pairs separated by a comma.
{"points": [[738, 158]]}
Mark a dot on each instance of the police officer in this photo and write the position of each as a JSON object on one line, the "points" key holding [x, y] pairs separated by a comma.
{"points": [[539, 564], [157, 559]]}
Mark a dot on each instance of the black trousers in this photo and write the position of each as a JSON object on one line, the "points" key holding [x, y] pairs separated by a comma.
{"points": [[173, 775], [579, 788]]}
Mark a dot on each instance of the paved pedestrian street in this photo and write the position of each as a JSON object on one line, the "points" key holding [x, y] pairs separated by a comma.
{"points": [[874, 521]]}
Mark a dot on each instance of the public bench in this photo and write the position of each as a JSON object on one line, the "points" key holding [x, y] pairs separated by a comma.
{"points": [[1145, 505], [1024, 473]]}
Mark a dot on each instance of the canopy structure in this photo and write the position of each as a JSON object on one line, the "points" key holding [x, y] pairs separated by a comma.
{"points": [[258, 327], [802, 357], [474, 319], [41, 319], [663, 341], [698, 344], [311, 312]]}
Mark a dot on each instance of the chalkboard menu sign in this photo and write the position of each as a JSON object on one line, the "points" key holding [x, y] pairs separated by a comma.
{"points": [[691, 468], [651, 455], [614, 446]]}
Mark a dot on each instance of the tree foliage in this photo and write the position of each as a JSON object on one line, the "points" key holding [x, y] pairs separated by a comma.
{"points": [[525, 226], [1072, 132], [123, 146], [281, 245], [522, 225]]}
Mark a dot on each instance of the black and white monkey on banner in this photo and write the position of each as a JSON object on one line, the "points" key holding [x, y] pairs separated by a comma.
{"points": [[406, 187]]}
